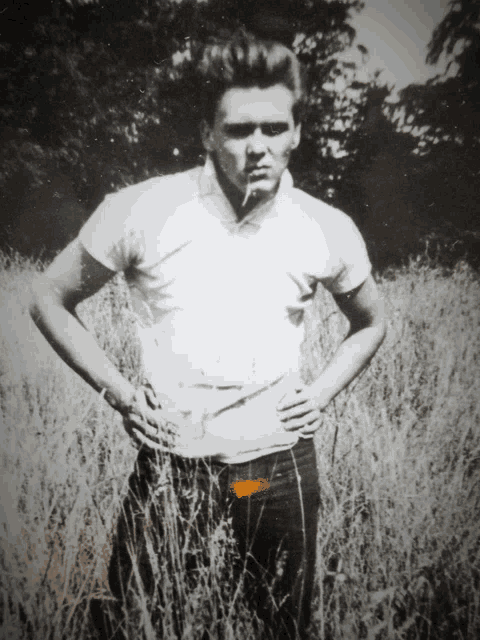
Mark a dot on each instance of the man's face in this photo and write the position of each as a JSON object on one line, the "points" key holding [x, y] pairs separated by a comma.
{"points": [[252, 137]]}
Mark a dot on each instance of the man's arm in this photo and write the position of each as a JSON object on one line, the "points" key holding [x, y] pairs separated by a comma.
{"points": [[71, 278], [364, 309]]}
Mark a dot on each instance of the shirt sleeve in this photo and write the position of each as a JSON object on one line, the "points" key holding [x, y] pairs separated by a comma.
{"points": [[109, 235], [347, 265]]}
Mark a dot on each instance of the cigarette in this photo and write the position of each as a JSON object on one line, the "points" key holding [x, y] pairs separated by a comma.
{"points": [[248, 192]]}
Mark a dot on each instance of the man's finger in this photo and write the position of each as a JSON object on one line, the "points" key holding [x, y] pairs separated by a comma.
{"points": [[300, 423], [141, 440], [151, 398], [138, 438], [154, 436], [158, 421], [295, 414], [133, 437], [150, 436], [297, 411], [139, 423], [291, 401], [311, 428]]}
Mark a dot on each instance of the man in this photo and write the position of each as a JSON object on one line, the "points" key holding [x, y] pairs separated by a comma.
{"points": [[223, 261]]}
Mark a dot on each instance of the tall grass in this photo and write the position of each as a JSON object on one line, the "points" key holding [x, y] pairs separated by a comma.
{"points": [[399, 456]]}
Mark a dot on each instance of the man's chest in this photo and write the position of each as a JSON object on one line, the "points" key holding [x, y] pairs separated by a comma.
{"points": [[214, 268]]}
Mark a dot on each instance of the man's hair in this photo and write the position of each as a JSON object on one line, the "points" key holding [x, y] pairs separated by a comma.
{"points": [[244, 60]]}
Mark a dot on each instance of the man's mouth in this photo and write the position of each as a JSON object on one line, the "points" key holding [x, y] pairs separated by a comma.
{"points": [[257, 173]]}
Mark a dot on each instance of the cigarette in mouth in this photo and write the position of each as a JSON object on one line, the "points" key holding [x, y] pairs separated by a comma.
{"points": [[248, 192]]}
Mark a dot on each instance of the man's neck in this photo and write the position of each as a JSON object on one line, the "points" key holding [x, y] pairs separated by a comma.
{"points": [[236, 198]]}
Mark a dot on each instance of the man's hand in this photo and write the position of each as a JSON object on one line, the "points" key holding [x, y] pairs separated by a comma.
{"points": [[301, 409], [152, 427], [146, 423]]}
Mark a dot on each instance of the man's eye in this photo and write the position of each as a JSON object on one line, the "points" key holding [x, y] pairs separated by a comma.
{"points": [[239, 130], [274, 129]]}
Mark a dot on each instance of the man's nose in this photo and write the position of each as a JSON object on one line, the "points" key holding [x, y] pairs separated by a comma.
{"points": [[256, 143]]}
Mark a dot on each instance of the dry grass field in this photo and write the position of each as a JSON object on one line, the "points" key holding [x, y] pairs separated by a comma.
{"points": [[399, 454]]}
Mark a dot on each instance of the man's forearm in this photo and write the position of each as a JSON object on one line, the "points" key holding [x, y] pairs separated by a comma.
{"points": [[78, 348], [363, 308], [350, 358]]}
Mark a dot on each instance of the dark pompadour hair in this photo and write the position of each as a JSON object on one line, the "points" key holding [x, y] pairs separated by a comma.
{"points": [[245, 60]]}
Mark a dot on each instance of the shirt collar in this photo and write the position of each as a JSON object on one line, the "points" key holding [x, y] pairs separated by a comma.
{"points": [[209, 186]]}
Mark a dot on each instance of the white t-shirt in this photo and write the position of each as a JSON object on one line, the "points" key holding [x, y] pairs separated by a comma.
{"points": [[220, 303]]}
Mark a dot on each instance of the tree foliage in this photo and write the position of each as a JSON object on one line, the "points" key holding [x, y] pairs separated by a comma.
{"points": [[459, 27], [447, 108], [102, 92], [444, 117]]}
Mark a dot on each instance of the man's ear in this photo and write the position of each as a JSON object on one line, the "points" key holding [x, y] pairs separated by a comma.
{"points": [[206, 134], [296, 136]]}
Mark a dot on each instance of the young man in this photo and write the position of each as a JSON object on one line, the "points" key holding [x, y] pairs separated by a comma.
{"points": [[223, 261]]}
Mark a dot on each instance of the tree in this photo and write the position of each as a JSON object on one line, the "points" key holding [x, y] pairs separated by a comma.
{"points": [[102, 92], [444, 116], [447, 108]]}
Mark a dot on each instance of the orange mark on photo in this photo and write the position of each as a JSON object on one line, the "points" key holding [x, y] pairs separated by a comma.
{"points": [[244, 488]]}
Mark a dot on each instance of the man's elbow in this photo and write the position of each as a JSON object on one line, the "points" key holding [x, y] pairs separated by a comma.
{"points": [[381, 327], [375, 321], [35, 304], [44, 297], [378, 322]]}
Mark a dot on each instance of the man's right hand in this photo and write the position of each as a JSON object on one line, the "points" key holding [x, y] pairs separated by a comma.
{"points": [[146, 422]]}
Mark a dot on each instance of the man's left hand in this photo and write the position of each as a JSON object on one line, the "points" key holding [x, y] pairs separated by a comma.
{"points": [[301, 409]]}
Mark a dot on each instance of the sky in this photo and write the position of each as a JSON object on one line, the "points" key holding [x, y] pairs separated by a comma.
{"points": [[396, 34]]}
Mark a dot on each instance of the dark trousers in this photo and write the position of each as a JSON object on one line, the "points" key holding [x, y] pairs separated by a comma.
{"points": [[275, 530]]}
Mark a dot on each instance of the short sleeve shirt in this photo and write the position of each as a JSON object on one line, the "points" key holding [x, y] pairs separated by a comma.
{"points": [[221, 302]]}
